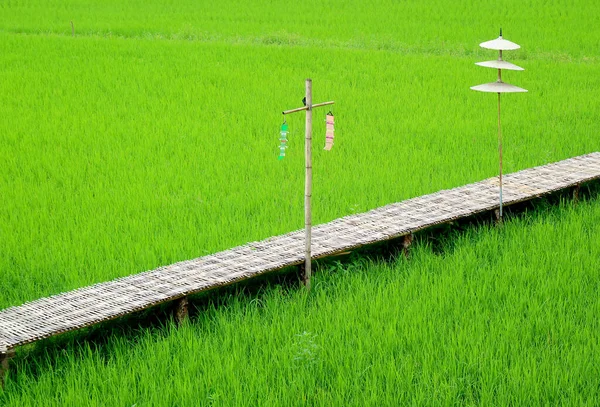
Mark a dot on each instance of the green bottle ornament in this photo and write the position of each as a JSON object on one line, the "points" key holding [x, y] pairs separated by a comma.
{"points": [[283, 140]]}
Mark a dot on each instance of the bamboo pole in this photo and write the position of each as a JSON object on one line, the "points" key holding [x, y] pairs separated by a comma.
{"points": [[308, 185], [308, 107], [300, 109]]}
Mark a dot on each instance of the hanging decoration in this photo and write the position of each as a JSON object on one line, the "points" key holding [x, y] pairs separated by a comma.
{"points": [[329, 132], [283, 140]]}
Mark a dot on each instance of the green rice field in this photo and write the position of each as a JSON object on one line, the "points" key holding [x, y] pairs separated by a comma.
{"points": [[500, 317], [151, 136]]}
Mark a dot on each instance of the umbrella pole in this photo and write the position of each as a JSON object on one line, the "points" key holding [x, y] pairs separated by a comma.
{"points": [[500, 133], [500, 155]]}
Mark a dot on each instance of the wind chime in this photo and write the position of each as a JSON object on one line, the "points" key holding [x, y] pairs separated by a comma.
{"points": [[329, 120], [283, 133], [329, 135], [308, 108], [499, 44]]}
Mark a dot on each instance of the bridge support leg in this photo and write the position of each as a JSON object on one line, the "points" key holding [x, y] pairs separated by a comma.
{"points": [[303, 275], [498, 217], [406, 243], [181, 310], [4, 359], [301, 272], [576, 194]]}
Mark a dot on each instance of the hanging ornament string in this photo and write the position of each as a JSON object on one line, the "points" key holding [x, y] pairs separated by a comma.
{"points": [[329, 133], [283, 133]]}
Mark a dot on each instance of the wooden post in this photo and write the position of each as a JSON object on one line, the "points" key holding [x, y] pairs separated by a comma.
{"points": [[181, 310], [576, 194], [406, 243], [307, 272], [4, 359], [308, 186]]}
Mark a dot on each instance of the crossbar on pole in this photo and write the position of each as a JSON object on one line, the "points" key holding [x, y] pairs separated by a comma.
{"points": [[300, 109]]}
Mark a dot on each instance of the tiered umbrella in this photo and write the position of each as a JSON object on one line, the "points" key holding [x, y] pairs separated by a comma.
{"points": [[499, 86]]}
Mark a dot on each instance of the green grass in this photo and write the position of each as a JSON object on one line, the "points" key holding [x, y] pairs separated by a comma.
{"points": [[151, 137], [122, 155], [565, 27], [503, 316]]}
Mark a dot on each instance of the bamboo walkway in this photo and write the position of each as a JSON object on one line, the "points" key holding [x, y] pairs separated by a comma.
{"points": [[91, 305]]}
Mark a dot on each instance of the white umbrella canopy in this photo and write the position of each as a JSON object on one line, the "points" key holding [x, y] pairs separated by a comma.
{"points": [[500, 64], [498, 87], [500, 44]]}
